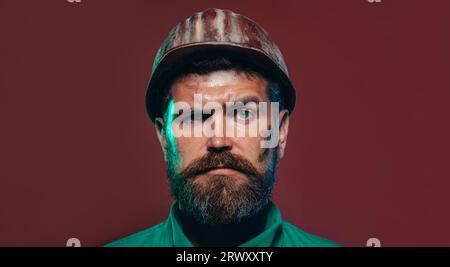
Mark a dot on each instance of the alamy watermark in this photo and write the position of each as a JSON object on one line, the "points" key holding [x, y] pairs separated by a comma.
{"points": [[231, 119]]}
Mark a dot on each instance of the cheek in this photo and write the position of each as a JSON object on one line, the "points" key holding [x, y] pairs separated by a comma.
{"points": [[189, 149], [259, 157], [250, 148]]}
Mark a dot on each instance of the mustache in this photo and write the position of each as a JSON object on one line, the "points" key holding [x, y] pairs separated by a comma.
{"points": [[214, 160]]}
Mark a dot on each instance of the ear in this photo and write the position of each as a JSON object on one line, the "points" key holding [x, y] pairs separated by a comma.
{"points": [[161, 133], [284, 127]]}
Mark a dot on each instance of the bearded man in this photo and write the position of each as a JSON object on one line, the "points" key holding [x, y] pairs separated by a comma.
{"points": [[220, 175]]}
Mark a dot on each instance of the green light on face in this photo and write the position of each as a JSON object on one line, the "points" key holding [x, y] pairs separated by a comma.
{"points": [[173, 157]]}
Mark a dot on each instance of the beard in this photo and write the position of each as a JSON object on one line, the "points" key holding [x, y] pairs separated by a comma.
{"points": [[221, 199]]}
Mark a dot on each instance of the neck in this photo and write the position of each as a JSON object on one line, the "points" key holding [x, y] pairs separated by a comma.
{"points": [[226, 235]]}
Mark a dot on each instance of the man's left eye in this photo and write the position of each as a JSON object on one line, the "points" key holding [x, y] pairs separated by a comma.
{"points": [[245, 114]]}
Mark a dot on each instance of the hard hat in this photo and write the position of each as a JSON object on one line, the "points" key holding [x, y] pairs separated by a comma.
{"points": [[216, 30]]}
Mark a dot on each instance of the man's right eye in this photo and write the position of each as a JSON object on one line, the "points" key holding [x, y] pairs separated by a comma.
{"points": [[199, 116]]}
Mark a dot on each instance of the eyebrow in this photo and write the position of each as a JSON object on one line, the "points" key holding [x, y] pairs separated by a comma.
{"points": [[247, 99]]}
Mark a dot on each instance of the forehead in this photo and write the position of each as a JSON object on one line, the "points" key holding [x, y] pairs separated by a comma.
{"points": [[220, 86]]}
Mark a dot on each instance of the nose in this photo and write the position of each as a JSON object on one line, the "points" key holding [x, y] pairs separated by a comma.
{"points": [[217, 143]]}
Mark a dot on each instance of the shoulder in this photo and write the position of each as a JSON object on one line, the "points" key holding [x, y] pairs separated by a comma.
{"points": [[155, 236], [292, 236]]}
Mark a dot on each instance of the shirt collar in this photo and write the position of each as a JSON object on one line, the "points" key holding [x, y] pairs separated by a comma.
{"points": [[265, 239]]}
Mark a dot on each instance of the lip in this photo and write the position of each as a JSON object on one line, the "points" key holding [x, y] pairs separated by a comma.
{"points": [[222, 171]]}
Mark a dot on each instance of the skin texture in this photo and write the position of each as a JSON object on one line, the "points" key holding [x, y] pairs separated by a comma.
{"points": [[181, 153]]}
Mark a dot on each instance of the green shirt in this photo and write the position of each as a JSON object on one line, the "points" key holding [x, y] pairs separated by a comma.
{"points": [[277, 233]]}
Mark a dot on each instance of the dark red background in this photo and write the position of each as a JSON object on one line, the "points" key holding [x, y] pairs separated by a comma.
{"points": [[368, 149]]}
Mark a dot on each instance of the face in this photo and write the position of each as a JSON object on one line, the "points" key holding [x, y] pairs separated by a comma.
{"points": [[219, 178]]}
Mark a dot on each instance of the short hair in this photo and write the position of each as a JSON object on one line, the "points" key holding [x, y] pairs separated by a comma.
{"points": [[204, 63]]}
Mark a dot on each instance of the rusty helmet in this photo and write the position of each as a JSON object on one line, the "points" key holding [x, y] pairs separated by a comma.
{"points": [[216, 30]]}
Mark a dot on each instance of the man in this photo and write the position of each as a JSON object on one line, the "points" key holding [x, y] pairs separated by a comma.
{"points": [[216, 77]]}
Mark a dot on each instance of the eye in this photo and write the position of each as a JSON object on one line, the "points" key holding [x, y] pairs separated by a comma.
{"points": [[245, 114], [199, 116]]}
